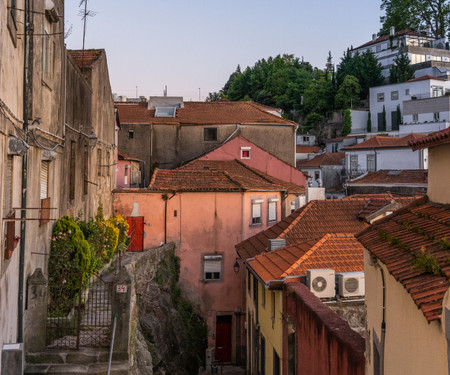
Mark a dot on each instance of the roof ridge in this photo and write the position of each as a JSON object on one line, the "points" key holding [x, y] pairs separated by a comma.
{"points": [[227, 175], [152, 181], [256, 105]]}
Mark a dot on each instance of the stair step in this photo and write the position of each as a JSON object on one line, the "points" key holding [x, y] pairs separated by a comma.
{"points": [[117, 368]]}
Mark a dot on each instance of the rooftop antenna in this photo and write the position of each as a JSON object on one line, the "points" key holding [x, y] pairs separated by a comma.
{"points": [[84, 15]]}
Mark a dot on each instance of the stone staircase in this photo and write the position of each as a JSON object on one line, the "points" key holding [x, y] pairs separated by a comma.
{"points": [[92, 361]]}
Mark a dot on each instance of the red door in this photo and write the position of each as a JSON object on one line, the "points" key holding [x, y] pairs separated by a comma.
{"points": [[223, 338], [136, 233]]}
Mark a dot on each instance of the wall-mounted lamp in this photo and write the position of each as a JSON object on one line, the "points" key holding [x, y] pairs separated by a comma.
{"points": [[236, 266], [92, 138]]}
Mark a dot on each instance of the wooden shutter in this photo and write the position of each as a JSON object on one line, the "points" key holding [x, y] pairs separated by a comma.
{"points": [[44, 179]]}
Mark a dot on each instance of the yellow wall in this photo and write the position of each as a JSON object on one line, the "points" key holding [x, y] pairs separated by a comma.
{"points": [[412, 345], [438, 174]]}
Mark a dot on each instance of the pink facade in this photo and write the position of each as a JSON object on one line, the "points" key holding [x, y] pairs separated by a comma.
{"points": [[123, 171], [247, 152], [204, 224]]}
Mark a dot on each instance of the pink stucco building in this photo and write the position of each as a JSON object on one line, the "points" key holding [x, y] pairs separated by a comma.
{"points": [[206, 207]]}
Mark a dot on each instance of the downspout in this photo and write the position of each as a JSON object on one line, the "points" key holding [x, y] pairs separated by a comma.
{"points": [[166, 198], [27, 90]]}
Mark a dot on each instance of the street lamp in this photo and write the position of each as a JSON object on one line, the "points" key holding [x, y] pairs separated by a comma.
{"points": [[236, 266], [92, 138]]}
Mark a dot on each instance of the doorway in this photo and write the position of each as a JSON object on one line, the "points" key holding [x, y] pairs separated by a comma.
{"points": [[223, 338]]}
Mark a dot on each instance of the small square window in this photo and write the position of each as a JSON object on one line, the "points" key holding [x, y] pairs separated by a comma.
{"points": [[245, 152], [212, 267], [394, 95], [130, 134], [380, 97], [210, 134]]}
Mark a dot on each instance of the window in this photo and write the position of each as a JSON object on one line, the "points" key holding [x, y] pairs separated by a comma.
{"points": [[130, 134], [437, 91], [256, 211], [394, 95], [436, 116], [407, 92], [85, 170], [125, 175], [263, 355], [415, 117], [272, 210], [210, 134], [316, 175], [99, 162], [305, 139], [72, 170], [394, 122], [353, 163], [46, 52], [334, 147], [380, 97], [292, 206], [371, 163], [276, 363], [107, 164], [212, 267], [165, 111], [11, 21], [245, 152]]}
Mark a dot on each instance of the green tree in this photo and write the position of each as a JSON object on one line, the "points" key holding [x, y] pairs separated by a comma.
{"points": [[402, 70], [318, 97], [228, 84], [383, 119], [416, 15], [347, 128], [348, 93], [369, 123], [214, 96], [312, 120]]}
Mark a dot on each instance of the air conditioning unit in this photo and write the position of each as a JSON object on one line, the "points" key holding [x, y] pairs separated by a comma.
{"points": [[351, 284], [321, 282]]}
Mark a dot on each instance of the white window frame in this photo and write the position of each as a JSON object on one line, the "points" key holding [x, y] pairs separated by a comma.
{"points": [[394, 95], [380, 97], [371, 166], [354, 163], [256, 212], [243, 149], [212, 267], [272, 207]]}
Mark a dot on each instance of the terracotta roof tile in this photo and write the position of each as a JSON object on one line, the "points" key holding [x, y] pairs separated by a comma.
{"points": [[87, 58], [407, 176], [123, 156], [312, 221], [212, 175], [385, 142], [397, 239], [341, 252], [302, 149], [328, 158], [426, 78], [202, 113], [438, 138]]}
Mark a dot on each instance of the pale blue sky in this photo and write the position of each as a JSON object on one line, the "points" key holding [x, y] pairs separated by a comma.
{"points": [[192, 44]]}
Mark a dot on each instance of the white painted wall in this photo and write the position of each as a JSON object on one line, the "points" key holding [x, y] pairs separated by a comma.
{"points": [[400, 158], [359, 121]]}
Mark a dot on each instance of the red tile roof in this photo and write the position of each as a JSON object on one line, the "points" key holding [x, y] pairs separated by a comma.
{"points": [[385, 142], [386, 37], [123, 156], [377, 204], [301, 149], [87, 58], [340, 252], [426, 78], [436, 139], [312, 221], [397, 239], [328, 158], [202, 113], [338, 139], [212, 175], [388, 177]]}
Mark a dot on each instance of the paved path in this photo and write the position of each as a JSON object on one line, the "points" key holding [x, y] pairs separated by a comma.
{"points": [[227, 370]]}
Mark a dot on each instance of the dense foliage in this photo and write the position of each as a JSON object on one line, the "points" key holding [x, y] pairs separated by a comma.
{"points": [[416, 15], [402, 70]]}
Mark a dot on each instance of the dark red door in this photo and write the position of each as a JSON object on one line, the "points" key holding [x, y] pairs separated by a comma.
{"points": [[136, 233], [223, 338]]}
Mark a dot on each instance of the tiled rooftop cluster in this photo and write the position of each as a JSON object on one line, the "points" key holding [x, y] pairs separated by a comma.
{"points": [[202, 113], [419, 230], [86, 58], [328, 158], [211, 175], [384, 176], [385, 142]]}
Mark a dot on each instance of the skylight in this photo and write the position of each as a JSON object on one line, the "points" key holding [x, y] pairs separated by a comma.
{"points": [[165, 111]]}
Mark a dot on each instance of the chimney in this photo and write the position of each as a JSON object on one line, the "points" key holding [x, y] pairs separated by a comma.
{"points": [[392, 31], [276, 243], [315, 193], [374, 37]]}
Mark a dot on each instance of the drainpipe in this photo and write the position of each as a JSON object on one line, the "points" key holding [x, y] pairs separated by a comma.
{"points": [[166, 199], [27, 104]]}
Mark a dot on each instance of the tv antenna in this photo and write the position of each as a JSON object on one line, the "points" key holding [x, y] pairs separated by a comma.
{"points": [[84, 15]]}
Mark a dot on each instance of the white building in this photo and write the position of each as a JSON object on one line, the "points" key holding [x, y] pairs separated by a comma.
{"points": [[381, 152], [423, 104], [427, 54]]}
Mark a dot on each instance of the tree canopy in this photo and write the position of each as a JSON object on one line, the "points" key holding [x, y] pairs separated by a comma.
{"points": [[402, 70], [416, 15]]}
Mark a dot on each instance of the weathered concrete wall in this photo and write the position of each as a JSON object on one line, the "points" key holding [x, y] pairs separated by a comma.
{"points": [[316, 340]]}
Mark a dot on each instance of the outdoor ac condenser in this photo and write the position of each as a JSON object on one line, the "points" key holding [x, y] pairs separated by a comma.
{"points": [[351, 284], [321, 282]]}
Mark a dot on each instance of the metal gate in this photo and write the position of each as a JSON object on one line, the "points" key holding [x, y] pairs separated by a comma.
{"points": [[79, 312]]}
